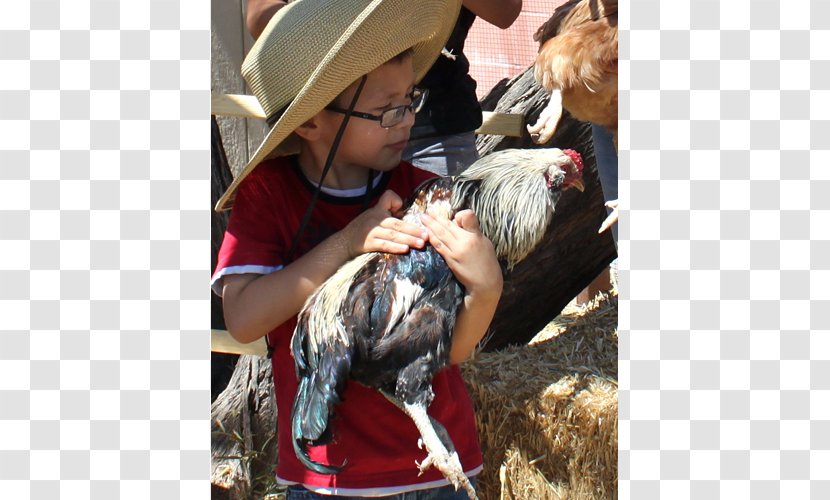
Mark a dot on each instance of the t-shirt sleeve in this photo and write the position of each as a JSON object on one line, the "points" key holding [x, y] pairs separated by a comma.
{"points": [[252, 242]]}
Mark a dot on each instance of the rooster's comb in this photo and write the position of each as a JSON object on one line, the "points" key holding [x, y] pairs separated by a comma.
{"points": [[576, 157]]}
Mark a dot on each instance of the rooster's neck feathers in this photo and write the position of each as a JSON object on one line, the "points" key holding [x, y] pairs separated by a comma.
{"points": [[508, 192]]}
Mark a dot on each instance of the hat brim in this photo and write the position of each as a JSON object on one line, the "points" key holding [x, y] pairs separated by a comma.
{"points": [[377, 31]]}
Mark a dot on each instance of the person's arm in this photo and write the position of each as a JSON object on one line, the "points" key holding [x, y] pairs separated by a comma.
{"points": [[470, 256], [259, 12], [501, 13], [255, 304]]}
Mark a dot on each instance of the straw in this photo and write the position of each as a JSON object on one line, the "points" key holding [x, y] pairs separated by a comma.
{"points": [[547, 411]]}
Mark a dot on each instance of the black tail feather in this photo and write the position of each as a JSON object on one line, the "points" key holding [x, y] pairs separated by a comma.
{"points": [[322, 374], [298, 440]]}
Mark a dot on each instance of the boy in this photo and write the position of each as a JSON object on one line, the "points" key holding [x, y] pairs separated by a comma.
{"points": [[443, 138], [341, 95]]}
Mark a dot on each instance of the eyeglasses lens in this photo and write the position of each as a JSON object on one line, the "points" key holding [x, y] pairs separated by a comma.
{"points": [[394, 116], [419, 97]]}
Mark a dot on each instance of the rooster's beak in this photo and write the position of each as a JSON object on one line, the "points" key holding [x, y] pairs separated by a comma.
{"points": [[578, 184]]}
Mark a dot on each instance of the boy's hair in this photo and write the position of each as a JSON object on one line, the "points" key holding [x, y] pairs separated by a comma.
{"points": [[396, 59]]}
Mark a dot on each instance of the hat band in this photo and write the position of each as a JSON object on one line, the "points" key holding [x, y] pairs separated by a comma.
{"points": [[329, 160], [276, 115]]}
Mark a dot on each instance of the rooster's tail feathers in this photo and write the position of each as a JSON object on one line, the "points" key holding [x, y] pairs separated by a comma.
{"points": [[322, 379], [300, 423]]}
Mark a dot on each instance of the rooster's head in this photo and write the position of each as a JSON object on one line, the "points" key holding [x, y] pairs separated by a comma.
{"points": [[565, 171]]}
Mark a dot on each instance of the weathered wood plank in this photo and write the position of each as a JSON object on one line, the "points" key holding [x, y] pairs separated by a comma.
{"points": [[245, 106], [221, 341], [230, 42], [505, 124]]}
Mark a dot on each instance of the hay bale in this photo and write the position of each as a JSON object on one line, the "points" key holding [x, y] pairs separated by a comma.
{"points": [[547, 411]]}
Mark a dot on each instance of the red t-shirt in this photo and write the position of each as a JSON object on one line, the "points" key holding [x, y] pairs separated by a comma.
{"points": [[378, 441]]}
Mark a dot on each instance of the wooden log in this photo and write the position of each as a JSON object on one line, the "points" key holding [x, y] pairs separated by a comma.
{"points": [[243, 427], [572, 254]]}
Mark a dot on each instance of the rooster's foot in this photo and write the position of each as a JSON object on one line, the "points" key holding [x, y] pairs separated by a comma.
{"points": [[450, 466], [441, 453]]}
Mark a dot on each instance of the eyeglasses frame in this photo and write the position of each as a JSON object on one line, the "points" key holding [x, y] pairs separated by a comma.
{"points": [[422, 96]]}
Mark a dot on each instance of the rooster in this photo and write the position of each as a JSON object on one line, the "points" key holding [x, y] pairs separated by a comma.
{"points": [[386, 320], [577, 63]]}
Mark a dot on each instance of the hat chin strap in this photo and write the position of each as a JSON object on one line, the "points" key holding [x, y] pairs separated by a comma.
{"points": [[329, 160]]}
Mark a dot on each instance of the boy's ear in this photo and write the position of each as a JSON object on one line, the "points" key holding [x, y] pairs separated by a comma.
{"points": [[310, 130]]}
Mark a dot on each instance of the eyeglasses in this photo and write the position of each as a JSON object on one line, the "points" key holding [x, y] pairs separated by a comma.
{"points": [[391, 116]]}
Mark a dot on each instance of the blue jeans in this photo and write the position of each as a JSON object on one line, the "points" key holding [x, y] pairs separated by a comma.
{"points": [[448, 492], [606, 156], [448, 155]]}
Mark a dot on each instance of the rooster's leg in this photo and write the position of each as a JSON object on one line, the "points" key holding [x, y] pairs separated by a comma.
{"points": [[542, 131], [441, 453]]}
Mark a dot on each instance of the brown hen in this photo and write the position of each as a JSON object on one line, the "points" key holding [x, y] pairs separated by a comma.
{"points": [[577, 62]]}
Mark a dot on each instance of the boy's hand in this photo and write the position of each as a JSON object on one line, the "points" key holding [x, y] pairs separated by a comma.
{"points": [[375, 230], [468, 253]]}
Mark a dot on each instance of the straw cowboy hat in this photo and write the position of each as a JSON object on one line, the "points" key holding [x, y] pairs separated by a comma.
{"points": [[311, 50]]}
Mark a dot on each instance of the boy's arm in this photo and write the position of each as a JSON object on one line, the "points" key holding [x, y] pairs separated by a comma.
{"points": [[258, 14], [255, 304], [471, 257], [501, 13]]}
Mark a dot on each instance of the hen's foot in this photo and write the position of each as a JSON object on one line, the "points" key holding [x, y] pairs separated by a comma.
{"points": [[544, 128]]}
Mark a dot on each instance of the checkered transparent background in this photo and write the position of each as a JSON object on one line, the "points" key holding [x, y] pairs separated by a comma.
{"points": [[725, 237], [725, 132], [104, 222]]}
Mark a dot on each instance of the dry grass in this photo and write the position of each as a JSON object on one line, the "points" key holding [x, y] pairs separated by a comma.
{"points": [[547, 411]]}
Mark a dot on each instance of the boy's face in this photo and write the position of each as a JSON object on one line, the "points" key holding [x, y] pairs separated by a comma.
{"points": [[365, 143]]}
